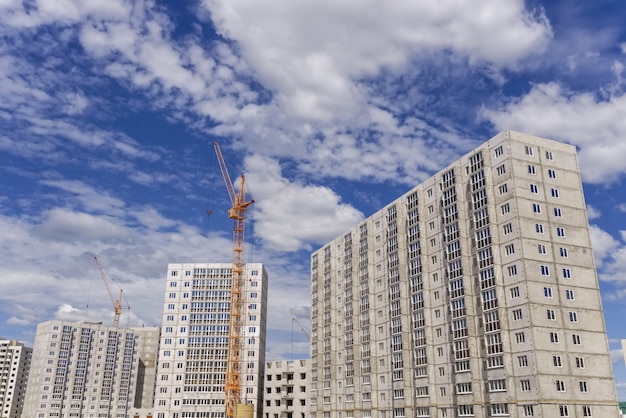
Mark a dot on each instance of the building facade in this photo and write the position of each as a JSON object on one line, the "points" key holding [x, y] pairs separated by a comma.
{"points": [[194, 341], [286, 389], [14, 366], [84, 369], [474, 294]]}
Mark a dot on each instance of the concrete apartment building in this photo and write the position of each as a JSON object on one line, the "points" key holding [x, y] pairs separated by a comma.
{"points": [[194, 341], [286, 389], [84, 369], [474, 294], [14, 367]]}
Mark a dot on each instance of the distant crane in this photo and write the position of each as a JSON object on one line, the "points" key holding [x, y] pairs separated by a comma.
{"points": [[237, 213], [117, 303], [304, 331]]}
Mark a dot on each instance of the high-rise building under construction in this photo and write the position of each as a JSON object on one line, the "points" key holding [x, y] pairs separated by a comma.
{"points": [[474, 294], [193, 353]]}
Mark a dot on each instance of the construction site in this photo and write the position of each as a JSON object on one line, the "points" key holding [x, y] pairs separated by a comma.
{"points": [[437, 305]]}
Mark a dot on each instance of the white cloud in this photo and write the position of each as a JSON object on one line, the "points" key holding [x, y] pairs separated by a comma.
{"points": [[289, 215], [604, 245], [311, 52], [610, 256], [617, 355], [593, 213], [61, 225], [87, 197], [595, 125]]}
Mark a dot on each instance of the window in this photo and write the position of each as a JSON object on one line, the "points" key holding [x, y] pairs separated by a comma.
{"points": [[560, 386], [505, 208], [557, 361], [549, 155], [525, 385], [563, 410], [514, 292], [583, 386], [497, 385], [563, 252], [587, 411], [569, 294], [529, 150], [499, 409], [512, 270], [554, 337], [576, 339], [573, 317], [531, 169], [464, 388], [503, 189], [551, 173], [509, 249], [542, 249], [545, 270], [499, 151], [554, 193], [550, 314], [520, 337], [517, 314], [580, 362], [465, 410], [567, 274], [501, 170], [421, 392], [536, 208], [557, 212], [442, 391], [547, 292], [522, 361], [539, 228], [534, 188], [560, 232], [529, 410], [508, 228]]}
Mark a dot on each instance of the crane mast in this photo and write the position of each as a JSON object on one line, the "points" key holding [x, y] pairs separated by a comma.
{"points": [[117, 304], [237, 212]]}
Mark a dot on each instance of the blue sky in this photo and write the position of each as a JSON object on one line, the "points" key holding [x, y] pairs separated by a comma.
{"points": [[108, 109]]}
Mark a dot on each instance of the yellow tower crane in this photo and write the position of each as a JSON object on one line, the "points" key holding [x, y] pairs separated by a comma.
{"points": [[117, 304], [237, 213]]}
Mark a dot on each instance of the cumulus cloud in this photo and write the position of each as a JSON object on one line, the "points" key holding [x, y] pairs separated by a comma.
{"points": [[603, 243], [311, 52], [593, 213], [595, 125], [291, 215]]}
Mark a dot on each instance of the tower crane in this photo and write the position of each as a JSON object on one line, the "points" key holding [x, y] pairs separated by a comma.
{"points": [[237, 213], [117, 303], [304, 331]]}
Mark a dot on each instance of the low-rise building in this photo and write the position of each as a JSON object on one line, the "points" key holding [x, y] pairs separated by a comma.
{"points": [[286, 389]]}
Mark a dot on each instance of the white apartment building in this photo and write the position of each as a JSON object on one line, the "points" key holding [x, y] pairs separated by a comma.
{"points": [[286, 389], [473, 294], [84, 369], [194, 340], [14, 366]]}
